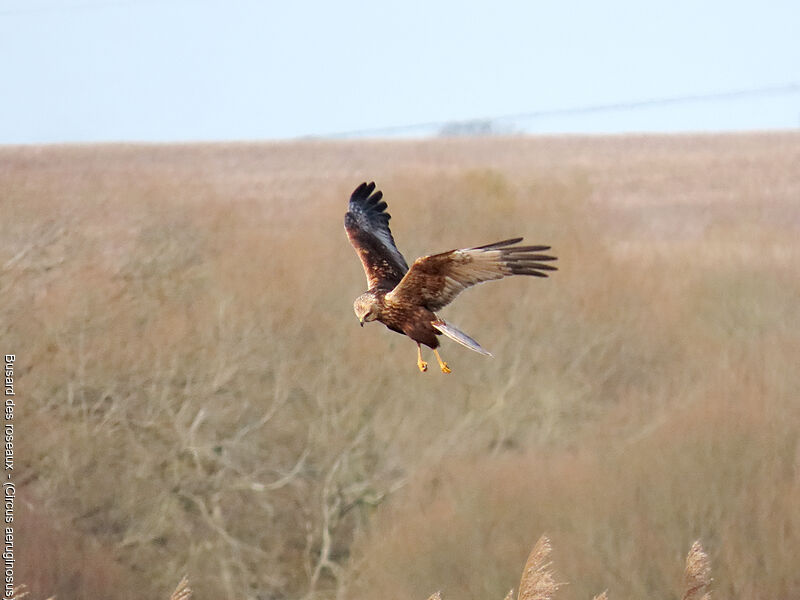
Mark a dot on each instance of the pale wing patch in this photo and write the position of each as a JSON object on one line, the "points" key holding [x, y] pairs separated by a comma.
{"points": [[471, 267]]}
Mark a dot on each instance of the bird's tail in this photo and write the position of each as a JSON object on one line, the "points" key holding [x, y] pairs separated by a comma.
{"points": [[459, 336]]}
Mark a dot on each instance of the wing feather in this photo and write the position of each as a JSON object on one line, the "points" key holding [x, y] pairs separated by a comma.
{"points": [[435, 281], [367, 226]]}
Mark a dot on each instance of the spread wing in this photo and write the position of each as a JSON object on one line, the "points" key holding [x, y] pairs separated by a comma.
{"points": [[367, 226], [435, 281]]}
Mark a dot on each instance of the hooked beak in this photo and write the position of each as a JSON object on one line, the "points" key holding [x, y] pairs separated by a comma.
{"points": [[361, 321]]}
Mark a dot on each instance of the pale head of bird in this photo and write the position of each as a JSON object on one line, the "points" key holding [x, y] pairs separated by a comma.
{"points": [[367, 307]]}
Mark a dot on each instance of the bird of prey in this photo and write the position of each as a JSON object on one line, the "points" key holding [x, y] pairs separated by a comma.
{"points": [[406, 300]]}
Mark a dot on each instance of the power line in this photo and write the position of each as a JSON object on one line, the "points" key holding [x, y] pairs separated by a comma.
{"points": [[771, 90]]}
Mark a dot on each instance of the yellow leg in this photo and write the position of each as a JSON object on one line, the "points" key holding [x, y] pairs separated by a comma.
{"points": [[442, 365], [423, 366]]}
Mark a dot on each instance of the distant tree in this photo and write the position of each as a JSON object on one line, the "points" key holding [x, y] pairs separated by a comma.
{"points": [[474, 128]]}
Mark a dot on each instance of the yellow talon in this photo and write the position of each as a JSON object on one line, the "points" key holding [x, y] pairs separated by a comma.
{"points": [[423, 366], [442, 365]]}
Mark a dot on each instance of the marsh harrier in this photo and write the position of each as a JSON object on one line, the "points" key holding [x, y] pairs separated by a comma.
{"points": [[406, 300]]}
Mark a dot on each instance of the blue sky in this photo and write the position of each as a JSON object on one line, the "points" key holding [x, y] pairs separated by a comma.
{"points": [[185, 70]]}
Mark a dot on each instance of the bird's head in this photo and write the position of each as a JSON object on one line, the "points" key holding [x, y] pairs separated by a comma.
{"points": [[366, 307]]}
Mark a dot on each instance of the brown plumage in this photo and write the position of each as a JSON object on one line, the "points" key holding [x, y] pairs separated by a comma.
{"points": [[405, 300]]}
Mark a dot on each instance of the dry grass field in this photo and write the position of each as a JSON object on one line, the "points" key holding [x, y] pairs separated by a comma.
{"points": [[195, 394]]}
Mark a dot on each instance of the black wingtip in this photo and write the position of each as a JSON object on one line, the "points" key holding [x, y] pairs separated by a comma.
{"points": [[502, 244], [375, 198], [363, 191], [363, 199]]}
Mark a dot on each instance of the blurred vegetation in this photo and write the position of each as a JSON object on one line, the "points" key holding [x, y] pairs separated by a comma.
{"points": [[195, 394]]}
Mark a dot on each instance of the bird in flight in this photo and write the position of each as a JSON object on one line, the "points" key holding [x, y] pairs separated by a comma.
{"points": [[406, 300]]}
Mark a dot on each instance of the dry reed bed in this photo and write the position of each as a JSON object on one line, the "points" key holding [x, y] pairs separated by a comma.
{"points": [[538, 580], [204, 401]]}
